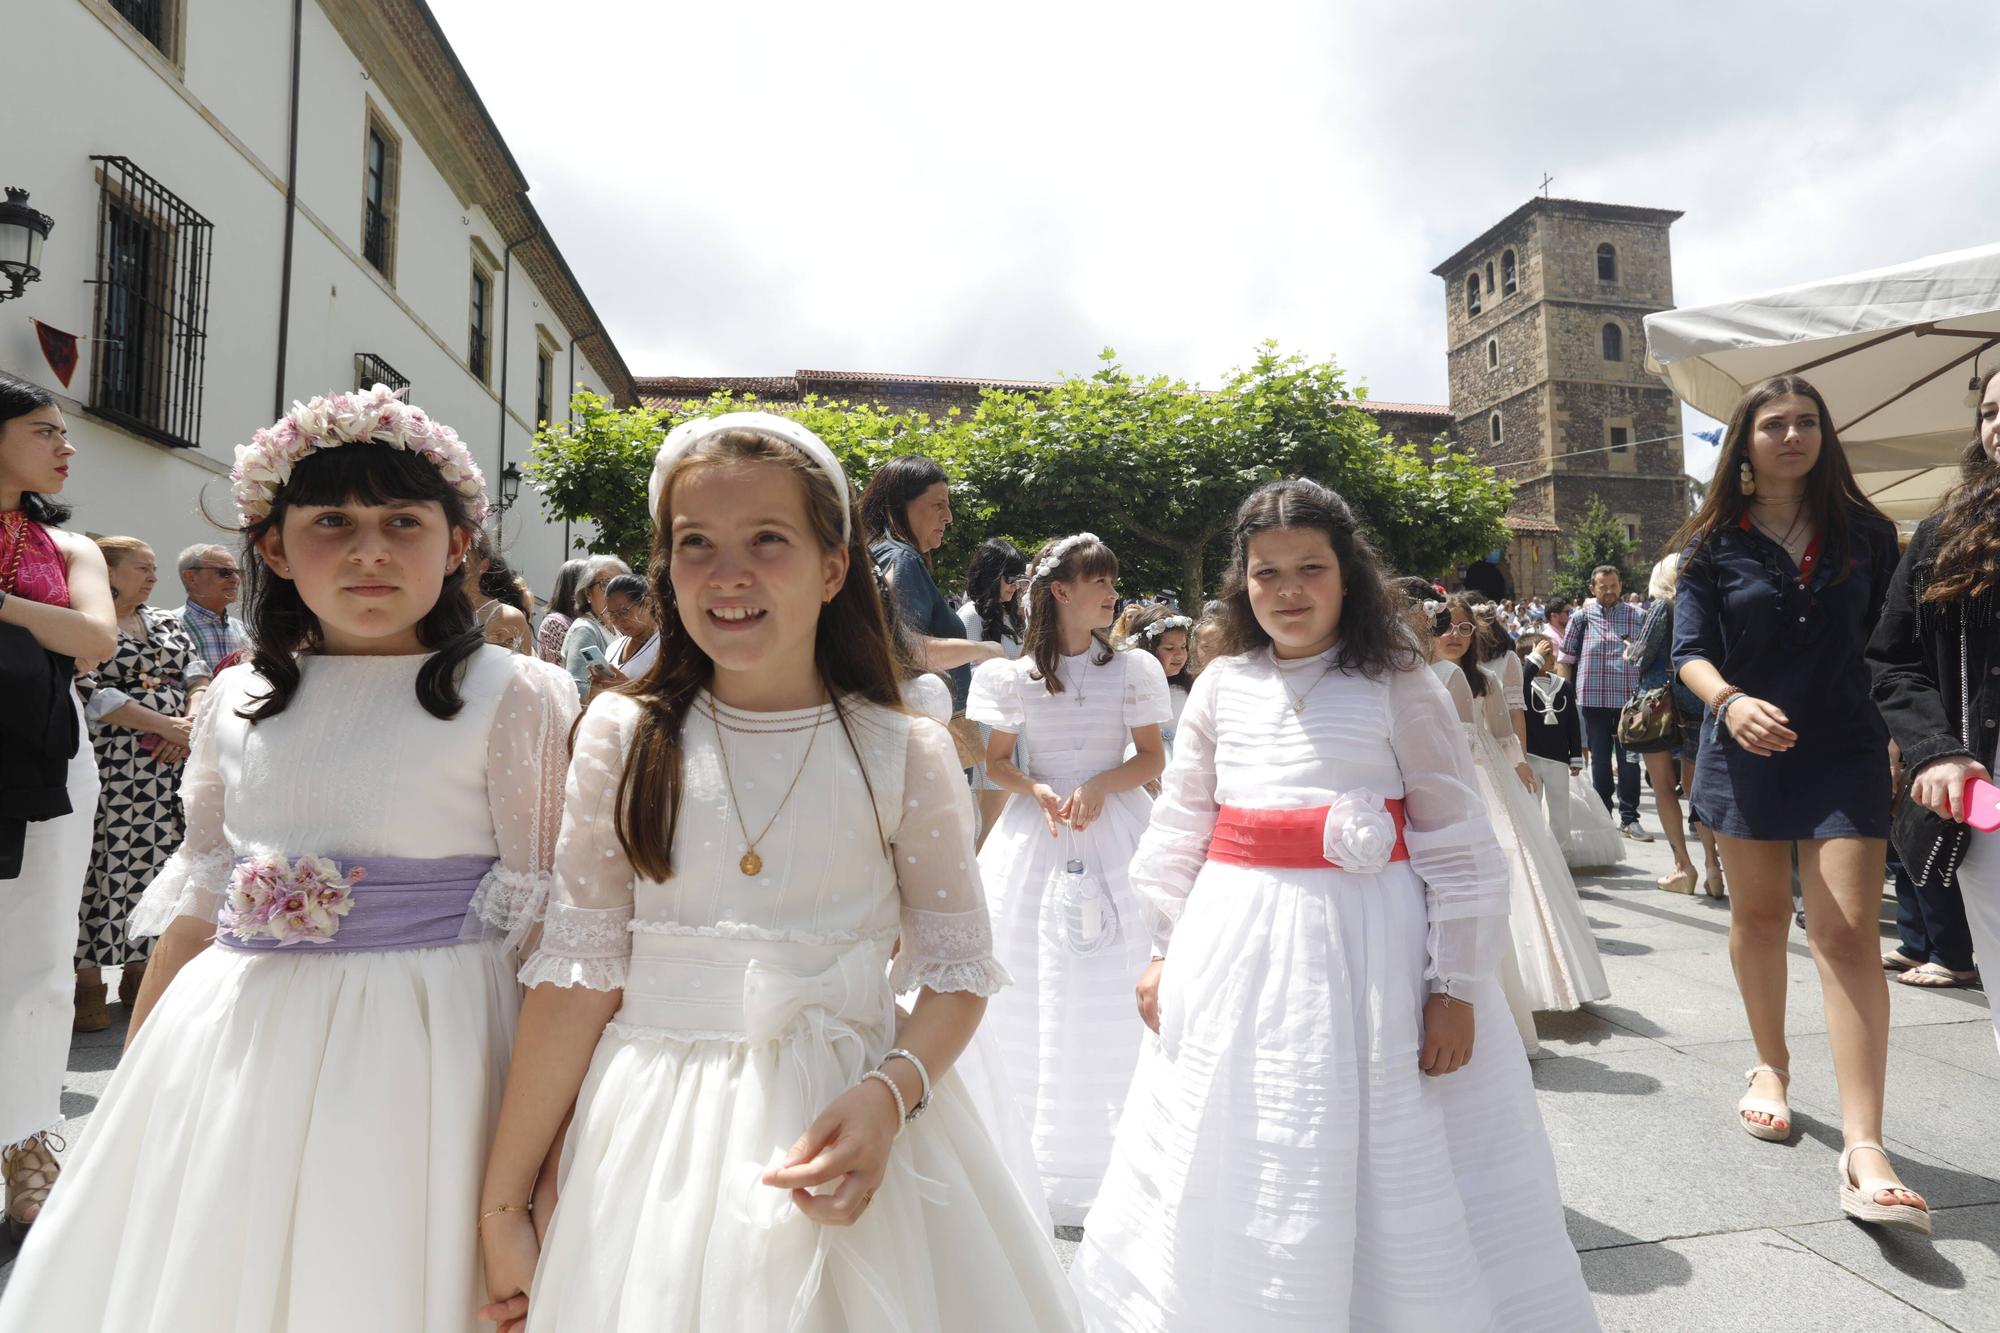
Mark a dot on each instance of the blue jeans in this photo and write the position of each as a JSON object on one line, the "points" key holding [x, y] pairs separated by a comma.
{"points": [[1600, 737]]}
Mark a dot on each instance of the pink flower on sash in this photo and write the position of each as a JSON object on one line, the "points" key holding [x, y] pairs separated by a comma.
{"points": [[289, 902]]}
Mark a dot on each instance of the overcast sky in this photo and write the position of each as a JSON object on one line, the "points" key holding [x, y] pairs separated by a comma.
{"points": [[1002, 190]]}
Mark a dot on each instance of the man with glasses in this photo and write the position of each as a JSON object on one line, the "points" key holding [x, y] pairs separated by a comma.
{"points": [[211, 578]]}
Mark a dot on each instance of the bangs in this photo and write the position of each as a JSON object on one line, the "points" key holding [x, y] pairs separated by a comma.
{"points": [[368, 474], [1092, 561]]}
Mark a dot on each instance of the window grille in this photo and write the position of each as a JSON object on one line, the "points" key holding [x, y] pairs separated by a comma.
{"points": [[371, 370], [153, 258], [152, 19]]}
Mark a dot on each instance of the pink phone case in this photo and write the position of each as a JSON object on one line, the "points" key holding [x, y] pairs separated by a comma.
{"points": [[1982, 805]]}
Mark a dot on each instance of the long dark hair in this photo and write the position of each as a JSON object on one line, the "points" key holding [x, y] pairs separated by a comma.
{"points": [[995, 560], [850, 650], [1139, 617], [885, 504], [1043, 640], [281, 624], [1833, 499], [1372, 639], [18, 397], [567, 595], [1967, 563], [1468, 665]]}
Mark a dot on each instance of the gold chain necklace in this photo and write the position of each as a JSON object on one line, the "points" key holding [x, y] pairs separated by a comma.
{"points": [[1299, 700], [752, 863]]}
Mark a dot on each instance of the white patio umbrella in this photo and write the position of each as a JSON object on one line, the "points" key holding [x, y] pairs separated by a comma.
{"points": [[1892, 350]]}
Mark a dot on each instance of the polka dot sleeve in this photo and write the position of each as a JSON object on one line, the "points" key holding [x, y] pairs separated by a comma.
{"points": [[585, 941], [947, 933]]}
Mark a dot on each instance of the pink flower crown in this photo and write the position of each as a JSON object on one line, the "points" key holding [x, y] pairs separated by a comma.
{"points": [[379, 416]]}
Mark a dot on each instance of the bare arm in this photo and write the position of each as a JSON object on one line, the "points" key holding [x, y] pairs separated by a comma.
{"points": [[944, 654], [182, 940], [86, 629], [138, 717]]}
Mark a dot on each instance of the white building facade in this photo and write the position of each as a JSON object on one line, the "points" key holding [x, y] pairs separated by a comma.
{"points": [[164, 145]]}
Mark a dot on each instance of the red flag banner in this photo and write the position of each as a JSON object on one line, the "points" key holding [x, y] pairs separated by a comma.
{"points": [[59, 349]]}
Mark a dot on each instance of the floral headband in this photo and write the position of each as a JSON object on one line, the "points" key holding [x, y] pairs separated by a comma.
{"points": [[689, 433], [1153, 631], [1052, 561], [378, 416]]}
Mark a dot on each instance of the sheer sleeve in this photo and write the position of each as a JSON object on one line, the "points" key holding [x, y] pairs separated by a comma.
{"points": [[947, 931], [995, 698], [1174, 847], [195, 879], [1147, 703], [527, 753], [1448, 831], [1493, 707], [1513, 689], [584, 937]]}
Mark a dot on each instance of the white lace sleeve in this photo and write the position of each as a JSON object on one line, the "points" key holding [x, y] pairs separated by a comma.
{"points": [[527, 754], [1512, 692], [195, 878], [1174, 847], [995, 696], [947, 932], [1493, 708], [1147, 703], [584, 937], [1448, 831]]}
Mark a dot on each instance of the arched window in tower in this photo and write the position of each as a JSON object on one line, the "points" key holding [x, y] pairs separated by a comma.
{"points": [[1472, 293], [1492, 353], [1489, 277], [1507, 280], [1607, 262], [1614, 343], [1493, 427]]}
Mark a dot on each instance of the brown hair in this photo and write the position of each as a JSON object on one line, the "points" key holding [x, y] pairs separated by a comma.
{"points": [[1833, 499], [1372, 639], [1043, 639], [1967, 562], [1475, 677], [1137, 617], [850, 649]]}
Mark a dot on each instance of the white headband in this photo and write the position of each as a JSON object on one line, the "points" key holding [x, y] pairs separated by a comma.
{"points": [[1161, 626], [1055, 555], [686, 435]]}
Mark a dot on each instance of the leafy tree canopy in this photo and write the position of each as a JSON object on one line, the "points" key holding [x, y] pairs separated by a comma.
{"points": [[1597, 539]]}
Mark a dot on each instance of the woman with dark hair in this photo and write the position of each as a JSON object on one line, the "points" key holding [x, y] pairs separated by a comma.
{"points": [[1935, 657], [992, 614], [1783, 574], [904, 512], [55, 617], [565, 604], [490, 585]]}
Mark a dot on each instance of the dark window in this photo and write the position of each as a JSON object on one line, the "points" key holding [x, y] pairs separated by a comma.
{"points": [[1472, 293], [152, 18], [1614, 343], [153, 255], [1493, 427], [1489, 276], [1492, 353], [1507, 279], [545, 384], [1607, 262], [482, 320], [1621, 439], [379, 209], [371, 370]]}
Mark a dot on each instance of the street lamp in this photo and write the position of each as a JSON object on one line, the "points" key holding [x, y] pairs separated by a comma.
{"points": [[510, 486], [22, 231]]}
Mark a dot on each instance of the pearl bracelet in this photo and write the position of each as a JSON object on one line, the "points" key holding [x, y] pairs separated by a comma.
{"points": [[902, 1110]]}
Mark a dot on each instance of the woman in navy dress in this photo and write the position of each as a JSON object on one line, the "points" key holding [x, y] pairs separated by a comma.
{"points": [[1783, 575]]}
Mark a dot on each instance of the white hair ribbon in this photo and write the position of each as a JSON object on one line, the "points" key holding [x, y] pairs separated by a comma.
{"points": [[686, 435]]}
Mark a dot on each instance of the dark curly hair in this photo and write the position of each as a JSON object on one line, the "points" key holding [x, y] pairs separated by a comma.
{"points": [[1373, 641], [1967, 563], [281, 624], [997, 559]]}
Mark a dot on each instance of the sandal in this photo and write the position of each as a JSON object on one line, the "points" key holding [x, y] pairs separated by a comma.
{"points": [[30, 1168], [1681, 881], [1713, 885], [1859, 1199], [1894, 961], [1936, 976], [1779, 1111]]}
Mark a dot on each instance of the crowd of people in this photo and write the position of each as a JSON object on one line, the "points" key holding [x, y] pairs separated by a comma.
{"points": [[538, 966]]}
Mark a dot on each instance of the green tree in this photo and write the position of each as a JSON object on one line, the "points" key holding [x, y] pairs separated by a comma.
{"points": [[1597, 539]]}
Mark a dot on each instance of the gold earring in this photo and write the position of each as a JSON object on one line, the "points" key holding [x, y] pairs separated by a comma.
{"points": [[1748, 478]]}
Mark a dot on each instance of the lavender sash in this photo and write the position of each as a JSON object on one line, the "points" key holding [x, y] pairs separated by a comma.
{"points": [[401, 903]]}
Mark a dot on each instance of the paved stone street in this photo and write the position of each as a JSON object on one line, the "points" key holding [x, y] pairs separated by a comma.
{"points": [[1684, 1221]]}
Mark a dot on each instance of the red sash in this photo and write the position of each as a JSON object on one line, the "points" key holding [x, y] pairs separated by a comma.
{"points": [[1284, 839]]}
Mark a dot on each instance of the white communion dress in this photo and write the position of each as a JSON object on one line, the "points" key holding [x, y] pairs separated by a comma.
{"points": [[750, 1002], [1067, 1030], [1554, 951], [1284, 1163], [296, 1138]]}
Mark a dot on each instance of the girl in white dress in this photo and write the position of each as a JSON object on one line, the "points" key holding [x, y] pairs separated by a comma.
{"points": [[293, 1138], [1319, 1141], [1163, 632], [750, 830], [1554, 950], [1066, 923]]}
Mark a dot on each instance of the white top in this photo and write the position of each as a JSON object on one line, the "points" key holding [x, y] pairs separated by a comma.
{"points": [[356, 767], [1506, 670], [1240, 743], [975, 628], [1082, 731], [929, 696], [827, 876]]}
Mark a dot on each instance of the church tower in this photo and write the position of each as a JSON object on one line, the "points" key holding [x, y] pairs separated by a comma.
{"points": [[1547, 363]]}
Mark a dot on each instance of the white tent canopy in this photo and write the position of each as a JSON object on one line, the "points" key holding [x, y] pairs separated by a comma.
{"points": [[1892, 350]]}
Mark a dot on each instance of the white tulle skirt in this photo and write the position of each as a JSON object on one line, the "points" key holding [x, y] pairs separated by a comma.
{"points": [[1594, 840], [1553, 948], [1068, 1029], [293, 1142], [1284, 1163]]}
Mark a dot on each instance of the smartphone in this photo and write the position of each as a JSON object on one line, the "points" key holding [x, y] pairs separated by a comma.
{"points": [[1982, 805], [592, 655]]}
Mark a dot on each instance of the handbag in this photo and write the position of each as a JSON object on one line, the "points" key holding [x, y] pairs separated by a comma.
{"points": [[1649, 723], [1930, 846], [1078, 911]]}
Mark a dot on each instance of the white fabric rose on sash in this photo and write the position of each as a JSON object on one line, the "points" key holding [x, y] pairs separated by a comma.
{"points": [[1360, 833]]}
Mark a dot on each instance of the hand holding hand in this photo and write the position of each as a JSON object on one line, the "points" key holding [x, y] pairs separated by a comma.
{"points": [[170, 752], [1148, 991], [1758, 727], [1447, 1035], [850, 1143], [1940, 785], [508, 1244]]}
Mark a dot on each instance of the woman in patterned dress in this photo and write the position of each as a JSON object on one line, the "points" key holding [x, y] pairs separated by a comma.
{"points": [[141, 706]]}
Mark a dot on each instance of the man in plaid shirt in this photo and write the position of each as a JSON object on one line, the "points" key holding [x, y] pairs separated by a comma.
{"points": [[210, 575], [1593, 656]]}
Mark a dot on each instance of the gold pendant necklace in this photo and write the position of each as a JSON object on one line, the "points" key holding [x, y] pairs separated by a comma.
{"points": [[1299, 700], [752, 864]]}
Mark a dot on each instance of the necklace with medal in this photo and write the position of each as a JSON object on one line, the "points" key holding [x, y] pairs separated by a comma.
{"points": [[1299, 700], [752, 863]]}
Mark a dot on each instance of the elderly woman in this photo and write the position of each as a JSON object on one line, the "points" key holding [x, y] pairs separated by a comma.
{"points": [[587, 633], [141, 706]]}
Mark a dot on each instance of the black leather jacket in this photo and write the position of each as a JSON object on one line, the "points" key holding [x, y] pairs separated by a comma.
{"points": [[1936, 670]]}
